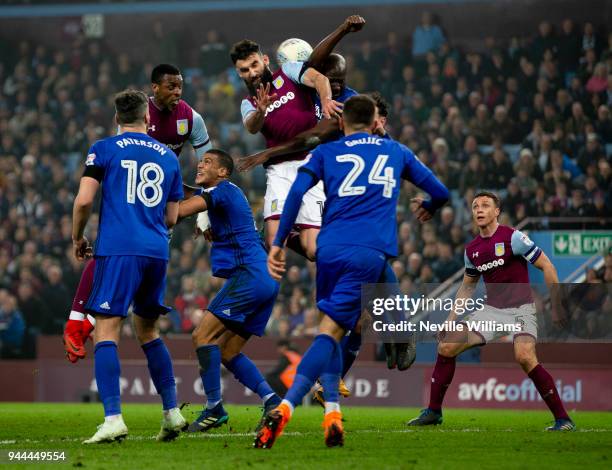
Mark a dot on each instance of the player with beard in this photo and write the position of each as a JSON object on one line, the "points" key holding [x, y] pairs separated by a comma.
{"points": [[280, 106], [173, 122]]}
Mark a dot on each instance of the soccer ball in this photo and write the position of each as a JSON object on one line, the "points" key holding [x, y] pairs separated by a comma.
{"points": [[293, 50]]}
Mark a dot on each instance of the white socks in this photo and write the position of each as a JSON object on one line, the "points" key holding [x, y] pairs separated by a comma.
{"points": [[331, 406]]}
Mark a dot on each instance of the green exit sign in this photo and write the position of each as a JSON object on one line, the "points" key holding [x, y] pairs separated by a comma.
{"points": [[581, 243]]}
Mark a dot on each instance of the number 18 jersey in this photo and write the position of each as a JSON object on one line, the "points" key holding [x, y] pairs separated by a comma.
{"points": [[361, 175], [139, 175]]}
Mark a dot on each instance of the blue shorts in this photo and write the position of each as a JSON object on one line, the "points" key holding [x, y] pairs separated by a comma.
{"points": [[121, 280], [244, 303], [341, 271]]}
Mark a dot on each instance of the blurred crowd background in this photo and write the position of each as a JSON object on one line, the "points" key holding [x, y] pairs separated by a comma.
{"points": [[528, 118]]}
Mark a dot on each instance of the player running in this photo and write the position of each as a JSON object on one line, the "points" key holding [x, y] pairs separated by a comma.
{"points": [[141, 186], [244, 304], [280, 106], [173, 122], [500, 253], [359, 173]]}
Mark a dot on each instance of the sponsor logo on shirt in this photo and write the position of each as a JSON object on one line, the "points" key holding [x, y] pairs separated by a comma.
{"points": [[279, 102], [490, 265]]}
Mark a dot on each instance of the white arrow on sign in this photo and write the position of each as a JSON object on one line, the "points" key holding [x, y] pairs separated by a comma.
{"points": [[561, 244]]}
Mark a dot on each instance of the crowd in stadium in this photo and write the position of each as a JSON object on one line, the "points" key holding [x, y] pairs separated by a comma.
{"points": [[529, 119]]}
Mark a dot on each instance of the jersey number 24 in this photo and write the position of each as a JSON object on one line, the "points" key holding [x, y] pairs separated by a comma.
{"points": [[378, 175]]}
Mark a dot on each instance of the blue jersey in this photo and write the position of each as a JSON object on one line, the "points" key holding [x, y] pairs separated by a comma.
{"points": [[139, 175], [236, 241], [361, 176], [347, 92]]}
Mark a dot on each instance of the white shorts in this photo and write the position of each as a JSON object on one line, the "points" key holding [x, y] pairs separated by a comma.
{"points": [[491, 317], [280, 177]]}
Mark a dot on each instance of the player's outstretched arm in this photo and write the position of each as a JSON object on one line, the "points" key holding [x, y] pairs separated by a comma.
{"points": [[322, 132], [320, 82], [81, 210], [322, 50], [191, 206]]}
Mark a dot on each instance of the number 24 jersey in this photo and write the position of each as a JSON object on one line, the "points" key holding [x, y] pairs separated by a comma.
{"points": [[361, 175]]}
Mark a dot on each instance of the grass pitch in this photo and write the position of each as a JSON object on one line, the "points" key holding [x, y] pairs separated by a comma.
{"points": [[375, 438]]}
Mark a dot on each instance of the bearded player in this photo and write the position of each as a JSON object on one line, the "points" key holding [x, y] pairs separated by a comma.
{"points": [[173, 122], [500, 254], [280, 106]]}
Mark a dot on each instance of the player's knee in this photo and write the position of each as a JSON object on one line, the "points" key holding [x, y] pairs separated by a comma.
{"points": [[448, 349], [526, 359], [311, 254], [227, 354]]}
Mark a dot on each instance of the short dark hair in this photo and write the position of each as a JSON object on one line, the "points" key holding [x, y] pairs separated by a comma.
{"points": [[158, 72], [131, 106], [381, 103], [489, 194], [242, 49], [359, 111], [225, 160]]}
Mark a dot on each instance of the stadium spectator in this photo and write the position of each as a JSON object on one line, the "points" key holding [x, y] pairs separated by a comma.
{"points": [[463, 112], [12, 326], [427, 36]]}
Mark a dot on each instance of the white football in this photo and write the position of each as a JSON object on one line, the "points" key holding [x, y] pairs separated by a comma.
{"points": [[203, 222], [293, 50]]}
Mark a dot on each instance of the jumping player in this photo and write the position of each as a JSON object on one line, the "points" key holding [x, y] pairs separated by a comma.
{"points": [[500, 254], [359, 173], [173, 122], [243, 306], [141, 186], [280, 106]]}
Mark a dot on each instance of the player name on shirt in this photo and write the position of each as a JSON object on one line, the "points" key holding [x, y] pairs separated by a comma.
{"points": [[145, 143], [365, 140]]}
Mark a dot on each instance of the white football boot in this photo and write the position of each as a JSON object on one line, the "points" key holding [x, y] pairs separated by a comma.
{"points": [[172, 424], [109, 431]]}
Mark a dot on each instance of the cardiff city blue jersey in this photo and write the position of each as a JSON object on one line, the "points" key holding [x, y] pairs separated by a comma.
{"points": [[347, 92], [235, 238], [139, 175], [361, 175]]}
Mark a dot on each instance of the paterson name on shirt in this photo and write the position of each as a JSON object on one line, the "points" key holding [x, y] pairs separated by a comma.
{"points": [[124, 142]]}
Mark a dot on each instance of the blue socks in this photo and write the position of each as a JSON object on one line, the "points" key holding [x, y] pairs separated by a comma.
{"points": [[108, 370], [313, 364], [162, 374], [350, 344], [248, 375], [209, 357], [330, 378]]}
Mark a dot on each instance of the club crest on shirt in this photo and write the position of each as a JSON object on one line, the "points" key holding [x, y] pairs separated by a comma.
{"points": [[182, 126], [499, 249], [278, 82]]}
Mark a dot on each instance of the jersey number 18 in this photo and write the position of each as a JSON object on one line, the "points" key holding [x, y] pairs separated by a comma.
{"points": [[140, 190]]}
